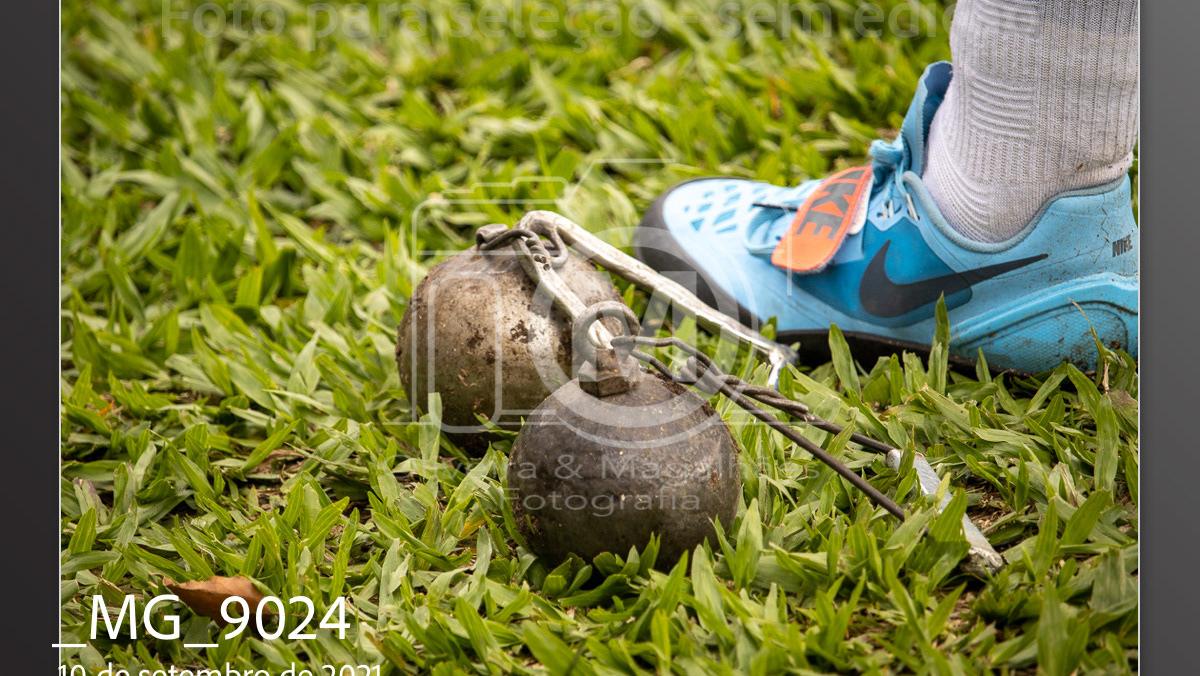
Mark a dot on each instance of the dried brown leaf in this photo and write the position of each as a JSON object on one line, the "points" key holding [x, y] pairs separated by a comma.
{"points": [[205, 597]]}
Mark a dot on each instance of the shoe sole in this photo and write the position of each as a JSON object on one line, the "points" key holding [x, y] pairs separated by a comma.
{"points": [[655, 246]]}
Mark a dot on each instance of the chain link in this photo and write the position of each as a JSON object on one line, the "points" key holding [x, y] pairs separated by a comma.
{"points": [[540, 265], [556, 254]]}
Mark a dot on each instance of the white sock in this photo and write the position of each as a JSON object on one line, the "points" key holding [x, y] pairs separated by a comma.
{"points": [[1044, 99]]}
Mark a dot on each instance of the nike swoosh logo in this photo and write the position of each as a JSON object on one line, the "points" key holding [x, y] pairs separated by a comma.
{"points": [[882, 297]]}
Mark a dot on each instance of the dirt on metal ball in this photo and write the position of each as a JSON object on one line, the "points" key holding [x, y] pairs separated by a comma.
{"points": [[591, 474], [476, 332]]}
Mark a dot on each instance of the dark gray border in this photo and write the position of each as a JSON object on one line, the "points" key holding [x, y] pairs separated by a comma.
{"points": [[1170, 325], [29, 398]]}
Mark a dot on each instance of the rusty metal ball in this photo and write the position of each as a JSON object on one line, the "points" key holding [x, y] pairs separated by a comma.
{"points": [[477, 332], [589, 475]]}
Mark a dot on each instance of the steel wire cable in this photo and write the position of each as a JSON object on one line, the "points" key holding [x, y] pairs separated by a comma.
{"points": [[701, 372]]}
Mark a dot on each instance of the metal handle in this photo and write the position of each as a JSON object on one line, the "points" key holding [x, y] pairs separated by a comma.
{"points": [[552, 225], [539, 265]]}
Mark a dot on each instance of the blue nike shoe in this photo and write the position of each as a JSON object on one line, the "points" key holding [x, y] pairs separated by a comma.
{"points": [[868, 250]]}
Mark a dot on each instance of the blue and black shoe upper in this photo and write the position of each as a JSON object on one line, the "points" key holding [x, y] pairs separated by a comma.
{"points": [[1028, 302]]}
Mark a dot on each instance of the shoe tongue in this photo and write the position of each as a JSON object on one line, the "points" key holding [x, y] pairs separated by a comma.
{"points": [[765, 229], [931, 91]]}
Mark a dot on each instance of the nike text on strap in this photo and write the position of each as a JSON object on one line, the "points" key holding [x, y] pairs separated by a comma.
{"points": [[835, 209]]}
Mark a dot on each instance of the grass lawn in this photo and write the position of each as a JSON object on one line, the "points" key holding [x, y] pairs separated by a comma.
{"points": [[243, 217]]}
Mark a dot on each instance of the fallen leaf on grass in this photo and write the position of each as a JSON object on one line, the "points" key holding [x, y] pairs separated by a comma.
{"points": [[205, 597]]}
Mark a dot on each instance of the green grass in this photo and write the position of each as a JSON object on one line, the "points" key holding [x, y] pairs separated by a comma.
{"points": [[243, 218]]}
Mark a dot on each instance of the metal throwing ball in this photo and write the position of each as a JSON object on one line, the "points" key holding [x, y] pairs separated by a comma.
{"points": [[473, 329], [595, 470]]}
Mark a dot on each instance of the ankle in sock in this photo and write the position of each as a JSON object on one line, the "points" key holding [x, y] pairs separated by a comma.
{"points": [[1044, 99]]}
